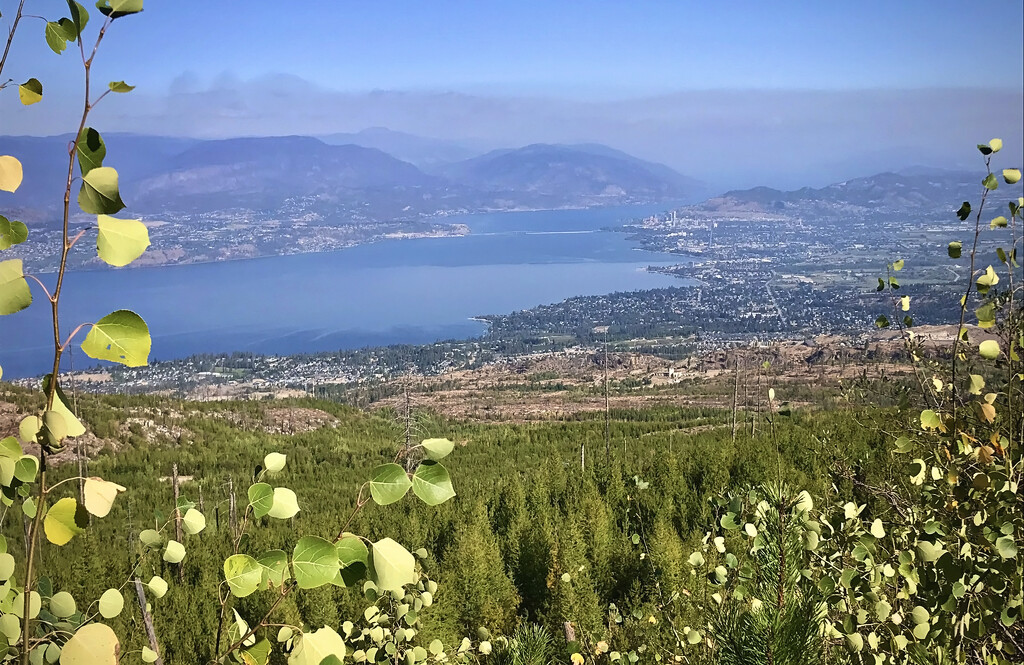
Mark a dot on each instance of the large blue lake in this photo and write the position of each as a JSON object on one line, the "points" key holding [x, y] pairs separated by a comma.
{"points": [[401, 291]]}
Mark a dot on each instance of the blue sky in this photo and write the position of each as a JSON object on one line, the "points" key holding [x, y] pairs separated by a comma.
{"points": [[789, 93], [569, 48]]}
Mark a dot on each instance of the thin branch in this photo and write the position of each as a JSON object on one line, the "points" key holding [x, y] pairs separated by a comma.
{"points": [[10, 35]]}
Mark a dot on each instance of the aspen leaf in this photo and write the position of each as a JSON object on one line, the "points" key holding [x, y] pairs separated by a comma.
{"points": [[30, 92], [14, 292], [93, 644], [10, 173], [100, 495], [121, 337], [64, 520], [989, 349], [120, 241]]}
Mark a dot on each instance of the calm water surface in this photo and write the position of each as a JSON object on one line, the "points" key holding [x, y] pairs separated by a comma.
{"points": [[401, 291]]}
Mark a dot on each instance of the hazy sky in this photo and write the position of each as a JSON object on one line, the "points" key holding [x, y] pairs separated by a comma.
{"points": [[838, 85]]}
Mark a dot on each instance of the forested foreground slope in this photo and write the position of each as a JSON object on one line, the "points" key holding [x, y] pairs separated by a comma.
{"points": [[526, 514]]}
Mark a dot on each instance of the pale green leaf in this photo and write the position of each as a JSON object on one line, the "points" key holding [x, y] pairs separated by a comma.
{"points": [[14, 292], [93, 644], [174, 552], [63, 605], [391, 565], [111, 603], [274, 462], [193, 522], [286, 505], [437, 449], [157, 586], [120, 241], [314, 648], [989, 349]]}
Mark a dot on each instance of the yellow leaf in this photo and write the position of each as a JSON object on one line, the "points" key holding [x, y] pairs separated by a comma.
{"points": [[100, 495], [10, 173]]}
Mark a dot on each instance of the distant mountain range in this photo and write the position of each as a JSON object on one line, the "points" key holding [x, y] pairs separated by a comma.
{"points": [[917, 190], [589, 173], [426, 153], [332, 178]]}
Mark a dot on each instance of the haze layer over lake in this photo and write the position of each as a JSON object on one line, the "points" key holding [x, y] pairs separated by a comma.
{"points": [[410, 291]]}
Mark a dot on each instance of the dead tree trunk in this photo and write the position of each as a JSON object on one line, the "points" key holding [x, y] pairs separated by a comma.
{"points": [[147, 619], [177, 516], [735, 394], [607, 410], [231, 505]]}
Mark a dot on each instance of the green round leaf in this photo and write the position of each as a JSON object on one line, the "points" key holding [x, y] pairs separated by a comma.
{"points": [[243, 574], [120, 241], [261, 498], [314, 562], [286, 505], [388, 484], [148, 655], [151, 538], [274, 565], [432, 484], [120, 86], [12, 233], [25, 468], [354, 558], [989, 349], [91, 150], [62, 604], [60, 405], [174, 552], [111, 603], [120, 337], [7, 564], [1006, 547]]}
